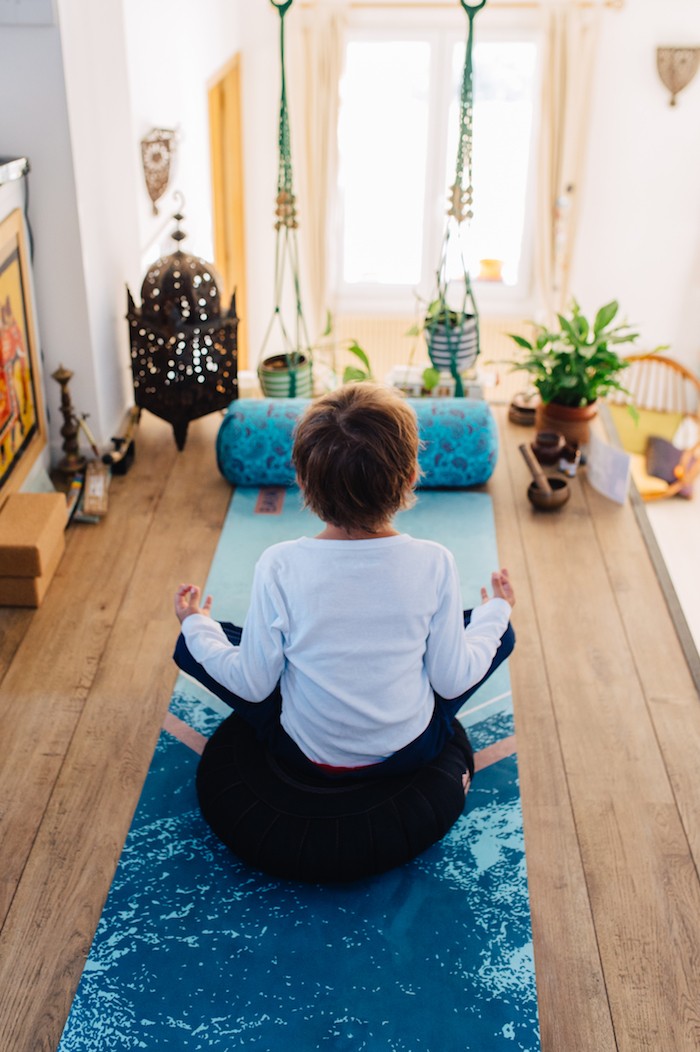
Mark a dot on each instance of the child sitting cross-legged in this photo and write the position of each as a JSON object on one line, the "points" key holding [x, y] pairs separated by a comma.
{"points": [[355, 655]]}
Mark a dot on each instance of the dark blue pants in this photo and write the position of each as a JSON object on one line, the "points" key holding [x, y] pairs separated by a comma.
{"points": [[264, 715]]}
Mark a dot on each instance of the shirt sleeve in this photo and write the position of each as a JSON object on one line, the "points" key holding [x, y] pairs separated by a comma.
{"points": [[252, 669], [456, 657]]}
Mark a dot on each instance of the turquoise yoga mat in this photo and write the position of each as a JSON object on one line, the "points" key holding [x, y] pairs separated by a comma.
{"points": [[194, 951]]}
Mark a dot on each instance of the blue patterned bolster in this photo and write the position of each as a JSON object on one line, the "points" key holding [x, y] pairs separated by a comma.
{"points": [[459, 436]]}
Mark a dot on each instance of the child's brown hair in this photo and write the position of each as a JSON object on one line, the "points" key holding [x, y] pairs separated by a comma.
{"points": [[355, 453]]}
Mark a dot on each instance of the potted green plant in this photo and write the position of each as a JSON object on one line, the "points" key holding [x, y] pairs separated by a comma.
{"points": [[451, 334], [307, 366], [357, 373], [287, 375], [328, 347], [574, 365]]}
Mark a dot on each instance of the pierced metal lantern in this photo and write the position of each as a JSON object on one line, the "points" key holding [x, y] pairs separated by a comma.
{"points": [[183, 350]]}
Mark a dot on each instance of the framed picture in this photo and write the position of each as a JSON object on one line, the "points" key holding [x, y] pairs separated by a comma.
{"points": [[22, 417]]}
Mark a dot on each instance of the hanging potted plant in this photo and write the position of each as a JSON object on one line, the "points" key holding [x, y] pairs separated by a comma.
{"points": [[451, 333], [287, 374], [451, 337], [452, 330], [572, 366]]}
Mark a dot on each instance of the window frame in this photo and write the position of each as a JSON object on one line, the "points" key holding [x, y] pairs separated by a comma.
{"points": [[442, 32]]}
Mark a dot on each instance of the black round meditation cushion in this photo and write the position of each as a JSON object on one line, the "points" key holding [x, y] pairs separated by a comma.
{"points": [[305, 827]]}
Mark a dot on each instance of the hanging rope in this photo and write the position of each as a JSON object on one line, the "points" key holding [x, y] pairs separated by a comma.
{"points": [[464, 337], [286, 225], [461, 203]]}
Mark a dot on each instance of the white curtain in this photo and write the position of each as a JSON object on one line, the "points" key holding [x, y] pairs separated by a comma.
{"points": [[571, 37], [316, 67]]}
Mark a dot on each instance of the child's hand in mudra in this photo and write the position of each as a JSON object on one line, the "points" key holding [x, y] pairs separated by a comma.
{"points": [[187, 602], [502, 588]]}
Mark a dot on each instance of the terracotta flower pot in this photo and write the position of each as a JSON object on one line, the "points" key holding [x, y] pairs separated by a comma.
{"points": [[573, 422]]}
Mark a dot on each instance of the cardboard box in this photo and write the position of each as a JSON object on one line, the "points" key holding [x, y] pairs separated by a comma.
{"points": [[29, 591], [30, 527]]}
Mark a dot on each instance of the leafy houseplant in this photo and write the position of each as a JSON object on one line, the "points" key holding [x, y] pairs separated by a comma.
{"points": [[326, 355], [286, 375], [574, 365], [452, 336], [316, 367], [357, 373]]}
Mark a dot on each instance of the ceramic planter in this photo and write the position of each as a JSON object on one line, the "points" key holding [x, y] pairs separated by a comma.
{"points": [[279, 380], [573, 422], [453, 348]]}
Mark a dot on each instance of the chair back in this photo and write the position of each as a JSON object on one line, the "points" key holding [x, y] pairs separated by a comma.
{"points": [[660, 384]]}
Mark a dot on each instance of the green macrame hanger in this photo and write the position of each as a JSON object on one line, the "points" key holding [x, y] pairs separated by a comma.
{"points": [[461, 199], [286, 225]]}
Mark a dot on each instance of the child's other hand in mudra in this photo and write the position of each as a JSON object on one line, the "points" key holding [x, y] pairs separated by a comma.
{"points": [[187, 601], [502, 588]]}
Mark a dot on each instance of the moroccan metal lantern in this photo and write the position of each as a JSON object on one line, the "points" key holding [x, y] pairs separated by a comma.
{"points": [[183, 350]]}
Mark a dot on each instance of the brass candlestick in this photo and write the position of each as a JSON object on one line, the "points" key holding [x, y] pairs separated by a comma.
{"points": [[72, 461]]}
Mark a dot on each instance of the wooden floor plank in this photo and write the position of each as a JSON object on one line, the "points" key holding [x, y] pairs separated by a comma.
{"points": [[563, 931], [642, 884], [14, 625], [666, 680], [44, 690], [55, 911], [605, 723]]}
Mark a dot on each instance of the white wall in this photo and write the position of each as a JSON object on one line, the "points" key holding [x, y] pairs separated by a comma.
{"points": [[639, 238], [83, 92], [35, 125], [639, 233], [94, 57], [176, 48], [261, 93]]}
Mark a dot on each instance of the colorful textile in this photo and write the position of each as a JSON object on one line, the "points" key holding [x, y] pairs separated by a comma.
{"points": [[196, 951], [254, 443]]}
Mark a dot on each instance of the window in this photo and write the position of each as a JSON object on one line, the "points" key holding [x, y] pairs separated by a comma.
{"points": [[397, 140]]}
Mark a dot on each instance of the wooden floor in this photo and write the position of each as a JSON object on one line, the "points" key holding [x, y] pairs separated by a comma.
{"points": [[607, 721]]}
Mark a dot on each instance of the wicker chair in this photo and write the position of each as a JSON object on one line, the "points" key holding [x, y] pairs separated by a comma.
{"points": [[665, 441]]}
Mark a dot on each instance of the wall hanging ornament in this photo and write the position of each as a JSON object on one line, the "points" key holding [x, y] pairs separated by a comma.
{"points": [[183, 350], [158, 150], [452, 332], [289, 373], [677, 66]]}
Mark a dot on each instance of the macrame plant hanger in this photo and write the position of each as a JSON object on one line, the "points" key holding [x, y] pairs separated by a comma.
{"points": [[296, 349], [460, 210]]}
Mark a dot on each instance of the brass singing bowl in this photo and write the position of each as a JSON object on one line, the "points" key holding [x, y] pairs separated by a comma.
{"points": [[549, 501]]}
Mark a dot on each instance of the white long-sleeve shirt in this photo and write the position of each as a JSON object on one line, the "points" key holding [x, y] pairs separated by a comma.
{"points": [[360, 633]]}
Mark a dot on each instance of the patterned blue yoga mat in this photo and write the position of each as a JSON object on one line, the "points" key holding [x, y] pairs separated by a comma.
{"points": [[195, 951]]}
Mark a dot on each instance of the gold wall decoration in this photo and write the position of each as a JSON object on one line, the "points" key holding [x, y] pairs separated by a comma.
{"points": [[158, 150], [677, 66]]}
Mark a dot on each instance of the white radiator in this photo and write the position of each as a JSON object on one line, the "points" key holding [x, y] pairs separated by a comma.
{"points": [[385, 341], [386, 344]]}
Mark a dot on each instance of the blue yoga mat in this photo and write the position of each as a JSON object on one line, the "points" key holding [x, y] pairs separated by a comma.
{"points": [[196, 951]]}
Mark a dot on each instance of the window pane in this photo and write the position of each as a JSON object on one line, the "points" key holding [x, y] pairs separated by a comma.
{"points": [[504, 78], [382, 138]]}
